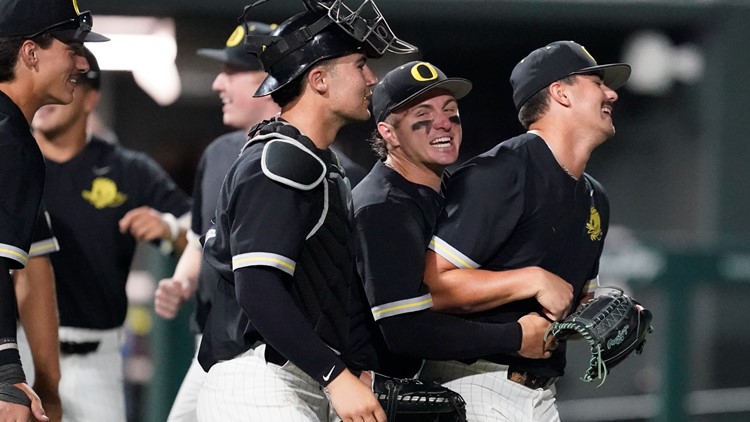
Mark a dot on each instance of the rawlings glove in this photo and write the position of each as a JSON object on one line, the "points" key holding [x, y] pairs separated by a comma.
{"points": [[614, 325], [411, 400]]}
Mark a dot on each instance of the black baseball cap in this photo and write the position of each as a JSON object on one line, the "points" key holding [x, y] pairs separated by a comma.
{"points": [[234, 53], [61, 18], [556, 61], [409, 81], [93, 77]]}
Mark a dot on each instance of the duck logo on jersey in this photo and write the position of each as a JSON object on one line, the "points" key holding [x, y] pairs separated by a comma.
{"points": [[594, 226], [104, 194]]}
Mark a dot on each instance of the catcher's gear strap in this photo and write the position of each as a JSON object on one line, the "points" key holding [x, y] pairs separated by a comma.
{"points": [[288, 156], [10, 374]]}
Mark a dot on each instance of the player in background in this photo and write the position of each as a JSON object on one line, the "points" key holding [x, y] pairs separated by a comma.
{"points": [[102, 199], [286, 338], [546, 212], [40, 59], [418, 135], [238, 80]]}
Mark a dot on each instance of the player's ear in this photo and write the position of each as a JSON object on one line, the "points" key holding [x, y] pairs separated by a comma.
{"points": [[388, 134], [558, 92], [28, 53], [317, 79]]}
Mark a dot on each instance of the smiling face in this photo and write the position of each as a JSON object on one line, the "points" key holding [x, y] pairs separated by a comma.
{"points": [[593, 102], [427, 133], [236, 87], [350, 87], [58, 67]]}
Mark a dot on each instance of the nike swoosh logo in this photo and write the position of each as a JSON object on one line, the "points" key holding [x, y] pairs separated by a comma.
{"points": [[100, 170], [325, 377]]}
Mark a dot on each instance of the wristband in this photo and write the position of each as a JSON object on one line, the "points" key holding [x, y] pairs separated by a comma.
{"points": [[10, 374]]}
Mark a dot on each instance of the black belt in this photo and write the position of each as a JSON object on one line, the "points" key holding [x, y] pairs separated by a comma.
{"points": [[530, 380], [75, 348]]}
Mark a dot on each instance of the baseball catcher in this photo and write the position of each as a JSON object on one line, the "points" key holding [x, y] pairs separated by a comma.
{"points": [[613, 324]]}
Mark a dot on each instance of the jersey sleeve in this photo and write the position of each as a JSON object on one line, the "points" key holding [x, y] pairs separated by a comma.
{"points": [[390, 259], [485, 201], [160, 192], [196, 214], [19, 208], [44, 241], [269, 221]]}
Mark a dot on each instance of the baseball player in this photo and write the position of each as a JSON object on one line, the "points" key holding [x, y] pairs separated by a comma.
{"points": [[546, 212], [418, 134], [287, 331], [40, 46], [102, 199], [240, 77]]}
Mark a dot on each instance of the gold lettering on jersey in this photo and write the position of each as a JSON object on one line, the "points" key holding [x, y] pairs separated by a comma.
{"points": [[104, 194], [75, 7], [594, 226], [588, 54], [237, 36], [417, 74]]}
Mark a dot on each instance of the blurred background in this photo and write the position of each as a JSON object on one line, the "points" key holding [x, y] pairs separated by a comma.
{"points": [[675, 171]]}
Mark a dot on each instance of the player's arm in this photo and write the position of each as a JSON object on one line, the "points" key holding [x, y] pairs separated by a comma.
{"points": [[264, 294], [147, 224], [37, 310], [18, 402], [173, 292], [467, 290]]}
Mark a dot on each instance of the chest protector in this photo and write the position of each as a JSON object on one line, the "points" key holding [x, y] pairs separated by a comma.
{"points": [[324, 276]]}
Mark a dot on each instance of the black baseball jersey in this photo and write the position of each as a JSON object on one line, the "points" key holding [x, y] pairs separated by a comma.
{"points": [[22, 175], [86, 198], [284, 215], [514, 206], [212, 168], [22, 178], [395, 222]]}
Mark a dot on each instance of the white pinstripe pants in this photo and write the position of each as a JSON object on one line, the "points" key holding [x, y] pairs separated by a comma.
{"points": [[92, 386], [247, 388], [489, 395]]}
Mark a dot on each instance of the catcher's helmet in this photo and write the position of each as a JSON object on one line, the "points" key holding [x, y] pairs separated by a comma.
{"points": [[328, 29]]}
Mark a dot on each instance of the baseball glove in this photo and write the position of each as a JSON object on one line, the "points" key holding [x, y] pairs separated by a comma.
{"points": [[614, 325], [411, 400]]}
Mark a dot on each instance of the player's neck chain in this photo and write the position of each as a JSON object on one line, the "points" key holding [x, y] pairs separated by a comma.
{"points": [[562, 166]]}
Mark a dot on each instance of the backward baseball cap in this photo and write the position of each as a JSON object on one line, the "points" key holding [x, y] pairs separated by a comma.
{"points": [[234, 53], [61, 18]]}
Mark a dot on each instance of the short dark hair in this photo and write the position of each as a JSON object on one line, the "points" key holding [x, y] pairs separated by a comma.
{"points": [[538, 104], [9, 47], [377, 143], [293, 89]]}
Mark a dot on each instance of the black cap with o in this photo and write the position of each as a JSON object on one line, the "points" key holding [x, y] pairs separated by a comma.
{"points": [[234, 53], [61, 18], [407, 82], [556, 61]]}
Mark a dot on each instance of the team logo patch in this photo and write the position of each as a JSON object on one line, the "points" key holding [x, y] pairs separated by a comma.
{"points": [[594, 226], [104, 194]]}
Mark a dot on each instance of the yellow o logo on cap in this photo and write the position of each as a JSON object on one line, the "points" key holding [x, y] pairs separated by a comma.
{"points": [[236, 37], [588, 54], [418, 76], [75, 7]]}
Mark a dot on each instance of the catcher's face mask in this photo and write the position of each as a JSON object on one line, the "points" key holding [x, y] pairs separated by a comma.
{"points": [[364, 23]]}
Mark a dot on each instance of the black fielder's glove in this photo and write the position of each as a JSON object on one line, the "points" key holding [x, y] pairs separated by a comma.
{"points": [[614, 325], [411, 400]]}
